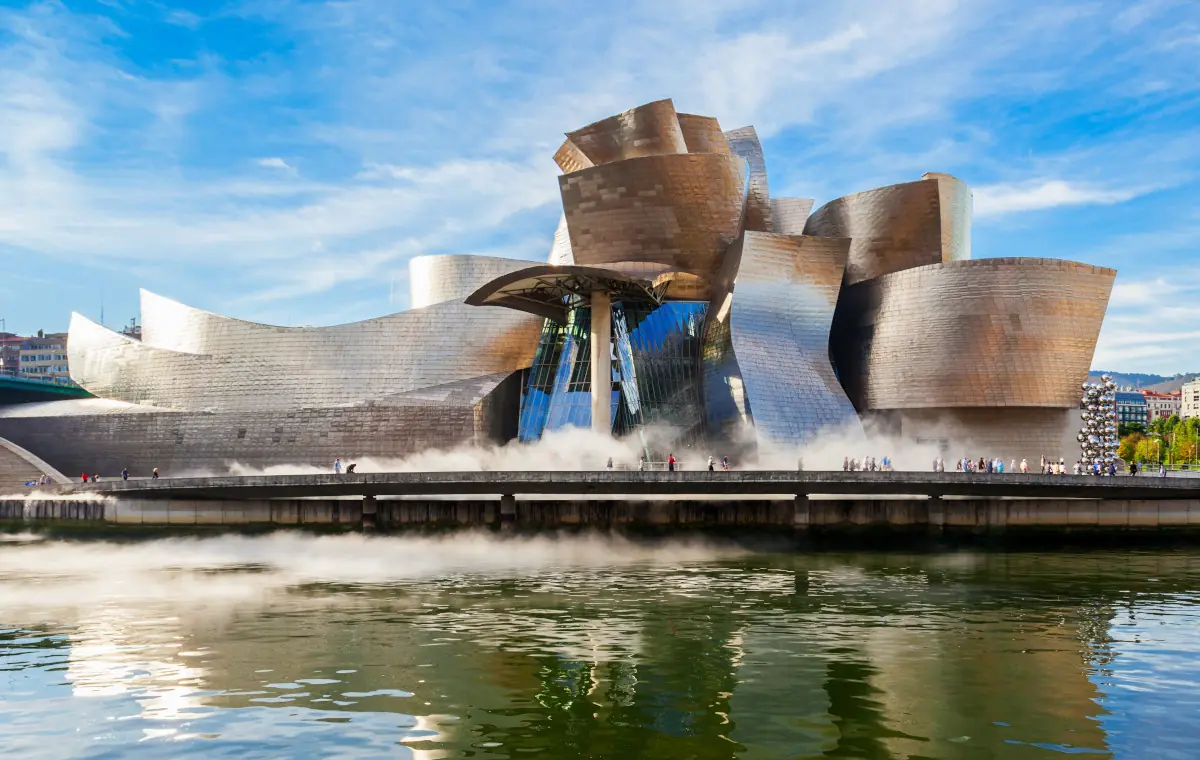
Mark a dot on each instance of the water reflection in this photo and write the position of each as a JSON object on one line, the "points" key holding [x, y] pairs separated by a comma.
{"points": [[300, 645]]}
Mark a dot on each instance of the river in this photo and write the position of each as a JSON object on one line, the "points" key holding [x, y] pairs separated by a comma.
{"points": [[473, 645]]}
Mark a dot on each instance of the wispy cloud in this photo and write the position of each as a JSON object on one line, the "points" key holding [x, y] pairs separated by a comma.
{"points": [[303, 148], [995, 200]]}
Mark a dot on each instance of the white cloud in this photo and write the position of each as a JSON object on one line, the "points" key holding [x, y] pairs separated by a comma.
{"points": [[995, 200], [274, 162], [1152, 324]]}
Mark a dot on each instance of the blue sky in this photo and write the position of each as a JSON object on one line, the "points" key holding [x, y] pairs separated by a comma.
{"points": [[281, 160]]}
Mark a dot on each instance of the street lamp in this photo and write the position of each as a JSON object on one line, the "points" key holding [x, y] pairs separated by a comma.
{"points": [[1158, 441]]}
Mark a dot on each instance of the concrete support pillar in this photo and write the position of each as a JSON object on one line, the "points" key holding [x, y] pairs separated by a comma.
{"points": [[508, 510], [601, 362], [369, 510], [801, 512]]}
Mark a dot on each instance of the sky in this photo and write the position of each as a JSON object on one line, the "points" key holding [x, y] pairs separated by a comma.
{"points": [[281, 160]]}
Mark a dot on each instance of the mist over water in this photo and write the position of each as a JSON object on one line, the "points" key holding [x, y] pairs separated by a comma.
{"points": [[42, 574], [575, 449], [290, 644]]}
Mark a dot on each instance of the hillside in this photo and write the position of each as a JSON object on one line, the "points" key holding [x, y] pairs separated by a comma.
{"points": [[1150, 382]]}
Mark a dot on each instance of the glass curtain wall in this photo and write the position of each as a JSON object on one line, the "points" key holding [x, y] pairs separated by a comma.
{"points": [[656, 356]]}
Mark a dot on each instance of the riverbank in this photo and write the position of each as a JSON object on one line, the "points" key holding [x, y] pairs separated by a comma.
{"points": [[802, 514]]}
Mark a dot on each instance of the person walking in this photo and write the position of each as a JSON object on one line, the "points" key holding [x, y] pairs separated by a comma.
{"points": [[609, 465], [710, 464], [350, 469], [1162, 470], [337, 465], [670, 463], [154, 474], [641, 463], [84, 477], [725, 463], [1133, 468], [845, 464], [124, 473]]}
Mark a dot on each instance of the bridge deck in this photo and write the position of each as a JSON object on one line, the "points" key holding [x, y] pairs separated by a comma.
{"points": [[619, 485]]}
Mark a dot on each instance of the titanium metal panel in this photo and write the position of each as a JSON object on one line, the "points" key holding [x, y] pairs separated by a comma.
{"points": [[744, 142], [702, 134], [560, 250], [234, 365], [648, 130], [900, 226], [433, 279], [789, 215], [681, 211], [985, 333], [91, 438], [570, 158], [780, 310]]}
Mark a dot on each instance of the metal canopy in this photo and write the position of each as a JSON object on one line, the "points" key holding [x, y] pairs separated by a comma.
{"points": [[550, 291]]}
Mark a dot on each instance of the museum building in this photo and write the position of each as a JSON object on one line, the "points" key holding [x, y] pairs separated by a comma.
{"points": [[680, 303]]}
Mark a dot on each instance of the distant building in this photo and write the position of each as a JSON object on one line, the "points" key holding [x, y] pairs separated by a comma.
{"points": [[44, 357], [132, 330], [1160, 406], [1131, 408], [10, 353], [1189, 402]]}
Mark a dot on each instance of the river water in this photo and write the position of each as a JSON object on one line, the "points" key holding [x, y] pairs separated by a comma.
{"points": [[297, 645]]}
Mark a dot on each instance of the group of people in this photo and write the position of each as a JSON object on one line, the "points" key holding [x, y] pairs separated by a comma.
{"points": [[866, 464], [95, 477], [348, 469]]}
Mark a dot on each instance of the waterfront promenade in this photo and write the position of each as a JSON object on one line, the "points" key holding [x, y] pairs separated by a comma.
{"points": [[622, 484], [772, 499]]}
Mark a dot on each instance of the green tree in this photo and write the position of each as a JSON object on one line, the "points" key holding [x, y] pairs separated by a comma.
{"points": [[1128, 448]]}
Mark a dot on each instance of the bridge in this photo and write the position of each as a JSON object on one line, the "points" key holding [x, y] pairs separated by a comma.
{"points": [[621, 485], [21, 390]]}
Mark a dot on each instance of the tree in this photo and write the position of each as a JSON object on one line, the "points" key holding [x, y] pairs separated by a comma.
{"points": [[1129, 428], [1128, 448]]}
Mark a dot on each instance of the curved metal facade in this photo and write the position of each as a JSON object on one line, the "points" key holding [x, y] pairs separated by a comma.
{"points": [[433, 279], [702, 134], [744, 143], [900, 226], [648, 130], [789, 215], [681, 211], [984, 333], [782, 291], [243, 365]]}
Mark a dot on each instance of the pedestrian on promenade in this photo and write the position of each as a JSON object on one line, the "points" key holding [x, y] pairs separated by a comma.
{"points": [[725, 463], [941, 465], [670, 463], [124, 473], [95, 477], [337, 465], [350, 469], [710, 464], [154, 475], [642, 463], [609, 465], [1162, 470], [84, 477], [800, 464]]}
